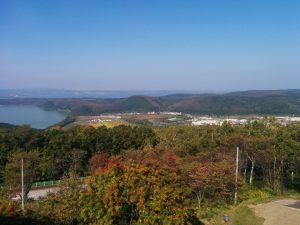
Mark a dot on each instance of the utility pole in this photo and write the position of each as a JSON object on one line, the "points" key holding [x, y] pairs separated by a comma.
{"points": [[236, 175], [22, 175]]}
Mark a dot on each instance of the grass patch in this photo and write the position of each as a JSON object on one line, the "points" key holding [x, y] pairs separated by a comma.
{"points": [[240, 215], [243, 215], [110, 124]]}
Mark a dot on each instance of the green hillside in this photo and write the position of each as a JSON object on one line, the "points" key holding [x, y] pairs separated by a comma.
{"points": [[266, 102]]}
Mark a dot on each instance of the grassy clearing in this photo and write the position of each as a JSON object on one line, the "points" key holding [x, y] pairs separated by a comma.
{"points": [[92, 121], [110, 124]]}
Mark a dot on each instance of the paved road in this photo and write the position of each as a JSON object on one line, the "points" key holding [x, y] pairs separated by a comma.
{"points": [[38, 193], [281, 212]]}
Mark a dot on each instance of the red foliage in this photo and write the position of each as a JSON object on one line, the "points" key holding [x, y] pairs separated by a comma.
{"points": [[102, 162], [166, 160], [11, 208], [99, 160], [112, 161]]}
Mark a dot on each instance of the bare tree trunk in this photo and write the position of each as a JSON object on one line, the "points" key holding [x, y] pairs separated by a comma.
{"points": [[236, 176], [199, 195], [173, 139], [252, 159], [23, 196], [251, 172], [274, 173], [245, 171], [281, 177]]}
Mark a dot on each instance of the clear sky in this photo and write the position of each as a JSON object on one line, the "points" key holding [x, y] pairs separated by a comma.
{"points": [[202, 45]]}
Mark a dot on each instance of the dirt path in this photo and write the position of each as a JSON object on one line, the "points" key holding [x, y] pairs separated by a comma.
{"points": [[281, 212]]}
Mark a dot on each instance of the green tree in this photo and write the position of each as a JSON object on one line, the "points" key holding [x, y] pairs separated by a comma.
{"points": [[12, 172], [62, 206]]}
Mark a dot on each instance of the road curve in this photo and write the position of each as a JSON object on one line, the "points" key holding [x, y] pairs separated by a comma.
{"points": [[281, 212]]}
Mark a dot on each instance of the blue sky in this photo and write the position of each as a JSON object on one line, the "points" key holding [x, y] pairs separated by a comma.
{"points": [[203, 45]]}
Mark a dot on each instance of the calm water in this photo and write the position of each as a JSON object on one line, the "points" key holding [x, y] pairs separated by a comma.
{"points": [[31, 115]]}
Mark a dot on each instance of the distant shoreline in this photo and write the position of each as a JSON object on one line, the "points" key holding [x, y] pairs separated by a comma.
{"points": [[262, 103]]}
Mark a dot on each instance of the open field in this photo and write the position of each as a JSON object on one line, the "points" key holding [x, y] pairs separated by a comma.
{"points": [[96, 121], [148, 118]]}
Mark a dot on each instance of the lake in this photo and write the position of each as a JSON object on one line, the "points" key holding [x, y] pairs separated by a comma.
{"points": [[30, 115]]}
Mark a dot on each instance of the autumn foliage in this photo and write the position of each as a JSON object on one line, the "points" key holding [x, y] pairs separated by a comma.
{"points": [[148, 176], [136, 194]]}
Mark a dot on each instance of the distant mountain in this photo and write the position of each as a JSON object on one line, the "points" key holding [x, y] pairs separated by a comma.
{"points": [[7, 125], [61, 93], [274, 102]]}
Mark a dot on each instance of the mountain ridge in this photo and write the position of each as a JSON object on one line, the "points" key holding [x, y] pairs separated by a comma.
{"points": [[262, 102]]}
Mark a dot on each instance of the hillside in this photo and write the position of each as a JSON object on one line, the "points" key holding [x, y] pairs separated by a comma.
{"points": [[279, 102]]}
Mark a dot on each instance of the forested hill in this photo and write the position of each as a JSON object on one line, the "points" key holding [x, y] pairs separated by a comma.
{"points": [[279, 102]]}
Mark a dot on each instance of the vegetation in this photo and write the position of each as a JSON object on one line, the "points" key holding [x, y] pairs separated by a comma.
{"points": [[139, 175], [130, 193], [12, 171], [243, 216]]}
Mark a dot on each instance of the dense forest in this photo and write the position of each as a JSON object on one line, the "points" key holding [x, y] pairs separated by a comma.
{"points": [[139, 175], [278, 102]]}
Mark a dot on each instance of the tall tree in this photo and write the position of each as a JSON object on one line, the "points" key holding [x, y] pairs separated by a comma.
{"points": [[136, 194], [12, 172]]}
